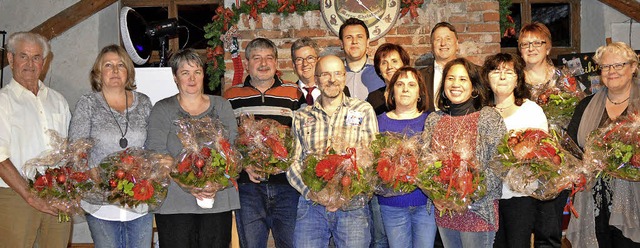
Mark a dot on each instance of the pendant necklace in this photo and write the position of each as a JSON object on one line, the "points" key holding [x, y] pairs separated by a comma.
{"points": [[617, 103], [503, 109], [123, 141]]}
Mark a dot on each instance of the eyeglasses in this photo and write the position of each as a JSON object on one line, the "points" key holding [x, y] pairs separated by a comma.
{"points": [[617, 66], [310, 60], [537, 43], [507, 73], [326, 75]]}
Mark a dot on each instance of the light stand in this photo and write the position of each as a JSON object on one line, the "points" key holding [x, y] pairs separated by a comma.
{"points": [[3, 33]]}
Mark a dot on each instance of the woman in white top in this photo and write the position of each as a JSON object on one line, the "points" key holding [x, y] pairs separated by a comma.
{"points": [[509, 95]]}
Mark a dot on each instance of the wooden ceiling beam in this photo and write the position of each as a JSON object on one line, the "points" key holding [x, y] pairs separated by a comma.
{"points": [[630, 8], [68, 18]]}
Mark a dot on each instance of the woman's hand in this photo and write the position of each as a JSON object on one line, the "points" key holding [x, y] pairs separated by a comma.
{"points": [[254, 174]]}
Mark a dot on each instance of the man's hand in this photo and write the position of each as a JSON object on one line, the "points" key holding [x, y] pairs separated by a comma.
{"points": [[43, 206], [12, 177]]}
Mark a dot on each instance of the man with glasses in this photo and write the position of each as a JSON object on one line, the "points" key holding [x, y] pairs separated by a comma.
{"points": [[444, 44], [312, 127], [266, 204], [304, 53]]}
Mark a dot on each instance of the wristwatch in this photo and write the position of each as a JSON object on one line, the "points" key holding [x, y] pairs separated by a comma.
{"points": [[379, 15]]}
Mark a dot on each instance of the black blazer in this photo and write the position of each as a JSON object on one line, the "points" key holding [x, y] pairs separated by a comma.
{"points": [[427, 76]]}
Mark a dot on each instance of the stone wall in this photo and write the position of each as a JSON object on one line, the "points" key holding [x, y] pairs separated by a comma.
{"points": [[477, 23]]}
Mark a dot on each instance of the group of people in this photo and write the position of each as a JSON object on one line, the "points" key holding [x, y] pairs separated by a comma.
{"points": [[453, 104]]}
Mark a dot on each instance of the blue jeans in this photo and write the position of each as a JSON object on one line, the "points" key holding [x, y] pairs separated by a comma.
{"points": [[265, 207], [121, 234], [315, 226], [378, 234], [457, 239], [409, 226]]}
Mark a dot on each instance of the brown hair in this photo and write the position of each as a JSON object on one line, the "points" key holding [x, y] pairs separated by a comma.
{"points": [[404, 72], [384, 50]]}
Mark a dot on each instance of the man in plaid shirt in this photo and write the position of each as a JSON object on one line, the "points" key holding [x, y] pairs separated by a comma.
{"points": [[332, 115]]}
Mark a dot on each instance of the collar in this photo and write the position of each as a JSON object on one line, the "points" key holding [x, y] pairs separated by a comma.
{"points": [[276, 82], [19, 90], [367, 63], [303, 85], [345, 102]]}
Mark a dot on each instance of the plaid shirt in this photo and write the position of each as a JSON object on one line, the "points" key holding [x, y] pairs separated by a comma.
{"points": [[354, 122]]}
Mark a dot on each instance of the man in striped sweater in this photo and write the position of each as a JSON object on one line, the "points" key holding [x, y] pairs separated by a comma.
{"points": [[266, 204]]}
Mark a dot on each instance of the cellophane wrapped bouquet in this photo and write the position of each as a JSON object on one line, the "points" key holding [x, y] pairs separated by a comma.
{"points": [[340, 177], [207, 162], [615, 149], [133, 178], [265, 145], [559, 100], [452, 179], [396, 163], [60, 175], [532, 162]]}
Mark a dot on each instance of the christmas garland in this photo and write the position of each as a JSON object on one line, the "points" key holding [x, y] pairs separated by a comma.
{"points": [[225, 18]]}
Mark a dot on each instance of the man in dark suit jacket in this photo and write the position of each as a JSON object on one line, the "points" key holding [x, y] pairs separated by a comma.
{"points": [[444, 44]]}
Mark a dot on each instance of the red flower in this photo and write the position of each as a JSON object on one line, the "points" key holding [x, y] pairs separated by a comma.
{"points": [[326, 168], [143, 190], [79, 176], [41, 183], [385, 169]]}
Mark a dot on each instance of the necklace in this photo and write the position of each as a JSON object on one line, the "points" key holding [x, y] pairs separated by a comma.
{"points": [[617, 103], [547, 77], [503, 109], [123, 141]]}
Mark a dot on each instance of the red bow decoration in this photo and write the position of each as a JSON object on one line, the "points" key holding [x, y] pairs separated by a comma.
{"points": [[255, 5], [226, 14], [288, 5], [411, 6]]}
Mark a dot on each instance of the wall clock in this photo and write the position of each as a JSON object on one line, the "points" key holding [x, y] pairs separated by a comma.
{"points": [[379, 15]]}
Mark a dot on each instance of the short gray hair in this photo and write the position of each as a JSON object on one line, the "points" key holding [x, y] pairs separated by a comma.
{"points": [[260, 43], [185, 56], [303, 42], [21, 37]]}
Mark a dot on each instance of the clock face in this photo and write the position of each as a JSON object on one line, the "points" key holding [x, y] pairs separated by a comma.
{"points": [[379, 15]]}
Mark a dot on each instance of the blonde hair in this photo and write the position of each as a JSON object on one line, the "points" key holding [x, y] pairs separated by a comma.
{"points": [[619, 48], [95, 76]]}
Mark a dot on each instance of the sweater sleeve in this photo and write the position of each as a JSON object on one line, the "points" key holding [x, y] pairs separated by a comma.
{"points": [[159, 127], [80, 126]]}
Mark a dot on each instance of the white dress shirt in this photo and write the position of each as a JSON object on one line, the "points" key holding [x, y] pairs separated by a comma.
{"points": [[24, 119]]}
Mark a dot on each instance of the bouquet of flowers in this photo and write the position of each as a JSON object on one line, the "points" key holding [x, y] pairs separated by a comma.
{"points": [[452, 180], [60, 175], [615, 149], [340, 178], [264, 145], [207, 163], [133, 178], [396, 163], [559, 100], [532, 162]]}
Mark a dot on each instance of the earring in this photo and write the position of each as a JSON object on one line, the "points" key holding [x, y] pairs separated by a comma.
{"points": [[419, 99], [393, 98], [443, 95], [476, 96]]}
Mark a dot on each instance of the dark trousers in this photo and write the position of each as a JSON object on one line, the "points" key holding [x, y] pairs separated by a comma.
{"points": [[609, 236], [194, 230], [522, 216]]}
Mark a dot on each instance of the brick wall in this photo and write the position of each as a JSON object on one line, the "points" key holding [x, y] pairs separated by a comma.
{"points": [[477, 22]]}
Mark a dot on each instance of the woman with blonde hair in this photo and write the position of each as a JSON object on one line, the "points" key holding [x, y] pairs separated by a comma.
{"points": [[609, 210]]}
